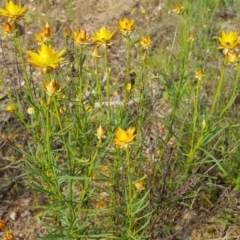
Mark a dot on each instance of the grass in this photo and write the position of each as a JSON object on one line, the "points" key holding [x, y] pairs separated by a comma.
{"points": [[139, 156]]}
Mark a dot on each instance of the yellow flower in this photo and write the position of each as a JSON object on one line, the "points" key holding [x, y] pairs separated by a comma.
{"points": [[103, 37], [8, 236], [88, 108], [204, 124], [10, 108], [45, 35], [38, 37], [47, 32], [106, 171], [228, 41], [101, 205], [52, 87], [126, 26], [94, 176], [62, 109], [146, 42], [129, 87], [2, 225], [42, 101], [31, 111], [140, 185], [232, 57], [133, 10], [81, 37], [95, 53], [199, 74], [101, 132], [67, 32], [192, 37], [9, 28], [13, 12], [46, 59], [178, 8], [124, 138]]}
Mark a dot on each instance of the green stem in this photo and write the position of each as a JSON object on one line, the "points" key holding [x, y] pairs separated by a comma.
{"points": [[129, 197], [194, 128], [128, 70], [142, 97], [69, 57], [233, 96], [108, 83], [88, 178], [19, 112], [20, 52], [80, 80], [58, 116], [71, 168], [219, 88], [115, 185], [99, 89]]}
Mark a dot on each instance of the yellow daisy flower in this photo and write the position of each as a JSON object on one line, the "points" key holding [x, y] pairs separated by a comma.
{"points": [[10, 108], [81, 37], [104, 37], [140, 185], [13, 12], [124, 138], [129, 87], [178, 8], [45, 35], [38, 37], [146, 42], [46, 58], [199, 74], [228, 41], [126, 26]]}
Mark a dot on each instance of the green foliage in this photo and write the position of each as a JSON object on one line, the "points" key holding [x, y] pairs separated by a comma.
{"points": [[96, 188]]}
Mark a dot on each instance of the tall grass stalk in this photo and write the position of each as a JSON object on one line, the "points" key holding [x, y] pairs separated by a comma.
{"points": [[108, 90], [19, 50], [219, 88], [128, 66]]}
